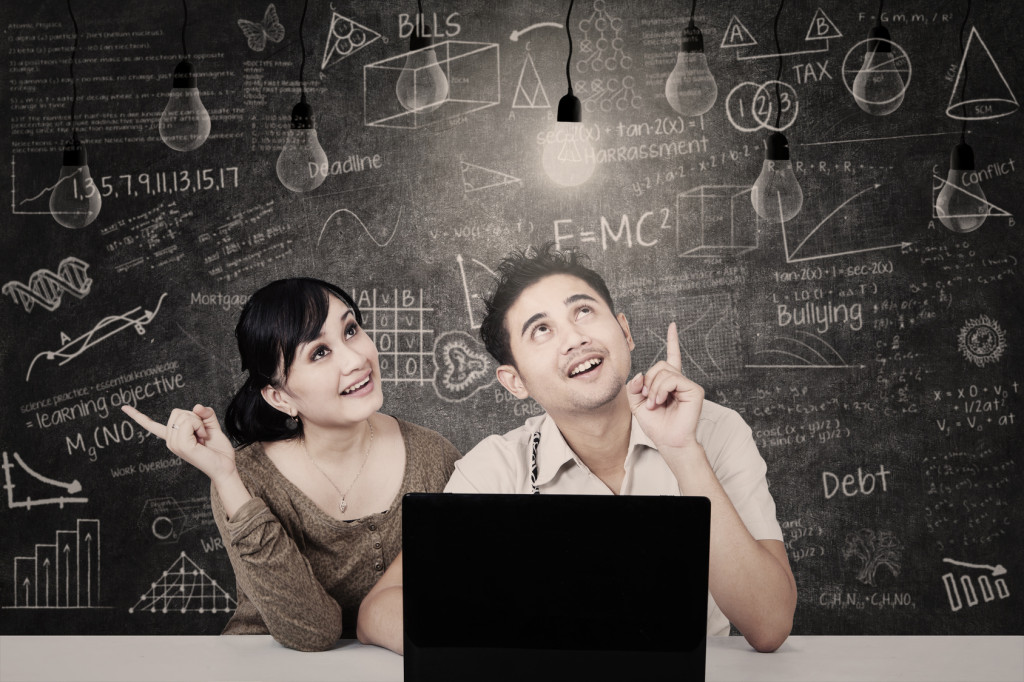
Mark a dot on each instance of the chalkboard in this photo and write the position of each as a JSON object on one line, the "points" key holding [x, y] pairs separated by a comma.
{"points": [[875, 353]]}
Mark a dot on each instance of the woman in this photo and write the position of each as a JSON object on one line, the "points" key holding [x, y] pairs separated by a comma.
{"points": [[309, 506]]}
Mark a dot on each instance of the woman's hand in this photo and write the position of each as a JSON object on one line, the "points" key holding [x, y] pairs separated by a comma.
{"points": [[196, 437]]}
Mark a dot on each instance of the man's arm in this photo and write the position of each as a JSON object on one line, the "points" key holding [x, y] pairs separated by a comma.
{"points": [[380, 619], [750, 580]]}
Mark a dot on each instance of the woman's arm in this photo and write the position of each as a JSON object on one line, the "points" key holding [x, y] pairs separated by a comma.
{"points": [[272, 572], [269, 568], [380, 615]]}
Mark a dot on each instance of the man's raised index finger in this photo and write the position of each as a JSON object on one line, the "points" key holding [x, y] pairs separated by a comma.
{"points": [[672, 354]]}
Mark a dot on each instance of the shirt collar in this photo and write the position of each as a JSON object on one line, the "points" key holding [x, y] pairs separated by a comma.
{"points": [[553, 453]]}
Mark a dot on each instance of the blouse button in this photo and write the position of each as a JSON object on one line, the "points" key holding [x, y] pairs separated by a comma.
{"points": [[378, 566], [376, 545], [372, 527]]}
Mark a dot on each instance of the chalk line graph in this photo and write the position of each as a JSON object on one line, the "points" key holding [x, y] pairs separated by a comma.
{"points": [[790, 255], [108, 326], [27, 503]]}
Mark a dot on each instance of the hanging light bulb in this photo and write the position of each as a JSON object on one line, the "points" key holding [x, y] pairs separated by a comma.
{"points": [[185, 123], [75, 200], [691, 89], [878, 88], [961, 204], [776, 194], [302, 164], [568, 157], [422, 85]]}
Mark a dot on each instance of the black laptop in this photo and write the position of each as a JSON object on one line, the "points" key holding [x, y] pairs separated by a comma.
{"points": [[554, 587]]}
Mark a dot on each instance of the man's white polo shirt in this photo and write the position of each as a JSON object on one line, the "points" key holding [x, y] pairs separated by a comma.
{"points": [[501, 464]]}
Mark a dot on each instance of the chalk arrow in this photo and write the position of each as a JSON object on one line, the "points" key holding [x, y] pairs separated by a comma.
{"points": [[514, 36], [998, 569]]}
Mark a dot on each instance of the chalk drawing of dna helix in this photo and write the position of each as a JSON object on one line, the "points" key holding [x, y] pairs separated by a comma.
{"points": [[47, 288]]}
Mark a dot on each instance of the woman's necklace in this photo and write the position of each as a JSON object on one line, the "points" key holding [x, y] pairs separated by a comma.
{"points": [[342, 504]]}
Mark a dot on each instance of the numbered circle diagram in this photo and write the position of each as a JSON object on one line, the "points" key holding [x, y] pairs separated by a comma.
{"points": [[877, 79], [751, 106]]}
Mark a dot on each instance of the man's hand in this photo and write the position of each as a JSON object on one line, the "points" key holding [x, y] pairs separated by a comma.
{"points": [[666, 404]]}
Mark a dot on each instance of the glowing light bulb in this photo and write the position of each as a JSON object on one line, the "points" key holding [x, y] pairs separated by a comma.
{"points": [[878, 88], [422, 85], [961, 204], [185, 123], [691, 89], [776, 194], [75, 200], [302, 164], [568, 157]]}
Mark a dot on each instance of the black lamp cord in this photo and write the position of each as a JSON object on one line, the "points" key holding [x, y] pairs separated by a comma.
{"points": [[184, 23], [302, 43], [778, 75], [74, 85], [568, 59], [693, 8], [963, 88]]}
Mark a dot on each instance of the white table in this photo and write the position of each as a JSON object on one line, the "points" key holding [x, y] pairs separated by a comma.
{"points": [[252, 658]]}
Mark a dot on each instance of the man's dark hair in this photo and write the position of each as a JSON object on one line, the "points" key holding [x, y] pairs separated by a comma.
{"points": [[516, 272]]}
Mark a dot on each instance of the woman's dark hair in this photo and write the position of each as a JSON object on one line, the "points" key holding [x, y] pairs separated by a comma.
{"points": [[516, 272], [275, 321]]}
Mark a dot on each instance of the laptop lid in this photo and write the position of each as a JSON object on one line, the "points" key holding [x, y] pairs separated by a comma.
{"points": [[554, 587]]}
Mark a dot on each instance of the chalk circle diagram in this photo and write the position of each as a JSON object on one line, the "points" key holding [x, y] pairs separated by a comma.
{"points": [[988, 100], [898, 62], [981, 340], [185, 587], [167, 519], [461, 366], [345, 37], [257, 33], [760, 106]]}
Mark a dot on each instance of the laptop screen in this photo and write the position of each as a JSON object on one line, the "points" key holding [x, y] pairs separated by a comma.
{"points": [[553, 573]]}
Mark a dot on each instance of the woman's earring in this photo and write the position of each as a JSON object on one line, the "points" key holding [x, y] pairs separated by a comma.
{"points": [[291, 423]]}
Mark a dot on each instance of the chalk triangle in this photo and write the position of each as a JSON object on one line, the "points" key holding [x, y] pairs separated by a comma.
{"points": [[984, 97], [476, 178], [736, 34], [530, 92], [822, 28], [345, 38], [993, 210]]}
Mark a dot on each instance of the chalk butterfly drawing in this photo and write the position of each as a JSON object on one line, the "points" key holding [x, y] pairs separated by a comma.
{"points": [[257, 33]]}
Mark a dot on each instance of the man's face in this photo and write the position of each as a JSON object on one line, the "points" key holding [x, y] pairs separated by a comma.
{"points": [[572, 353]]}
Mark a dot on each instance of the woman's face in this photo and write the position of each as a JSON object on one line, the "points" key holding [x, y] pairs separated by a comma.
{"points": [[334, 379]]}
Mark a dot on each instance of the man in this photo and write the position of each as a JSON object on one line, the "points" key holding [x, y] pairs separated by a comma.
{"points": [[552, 327]]}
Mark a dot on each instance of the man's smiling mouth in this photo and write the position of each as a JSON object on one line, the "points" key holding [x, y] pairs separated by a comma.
{"points": [[585, 366]]}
